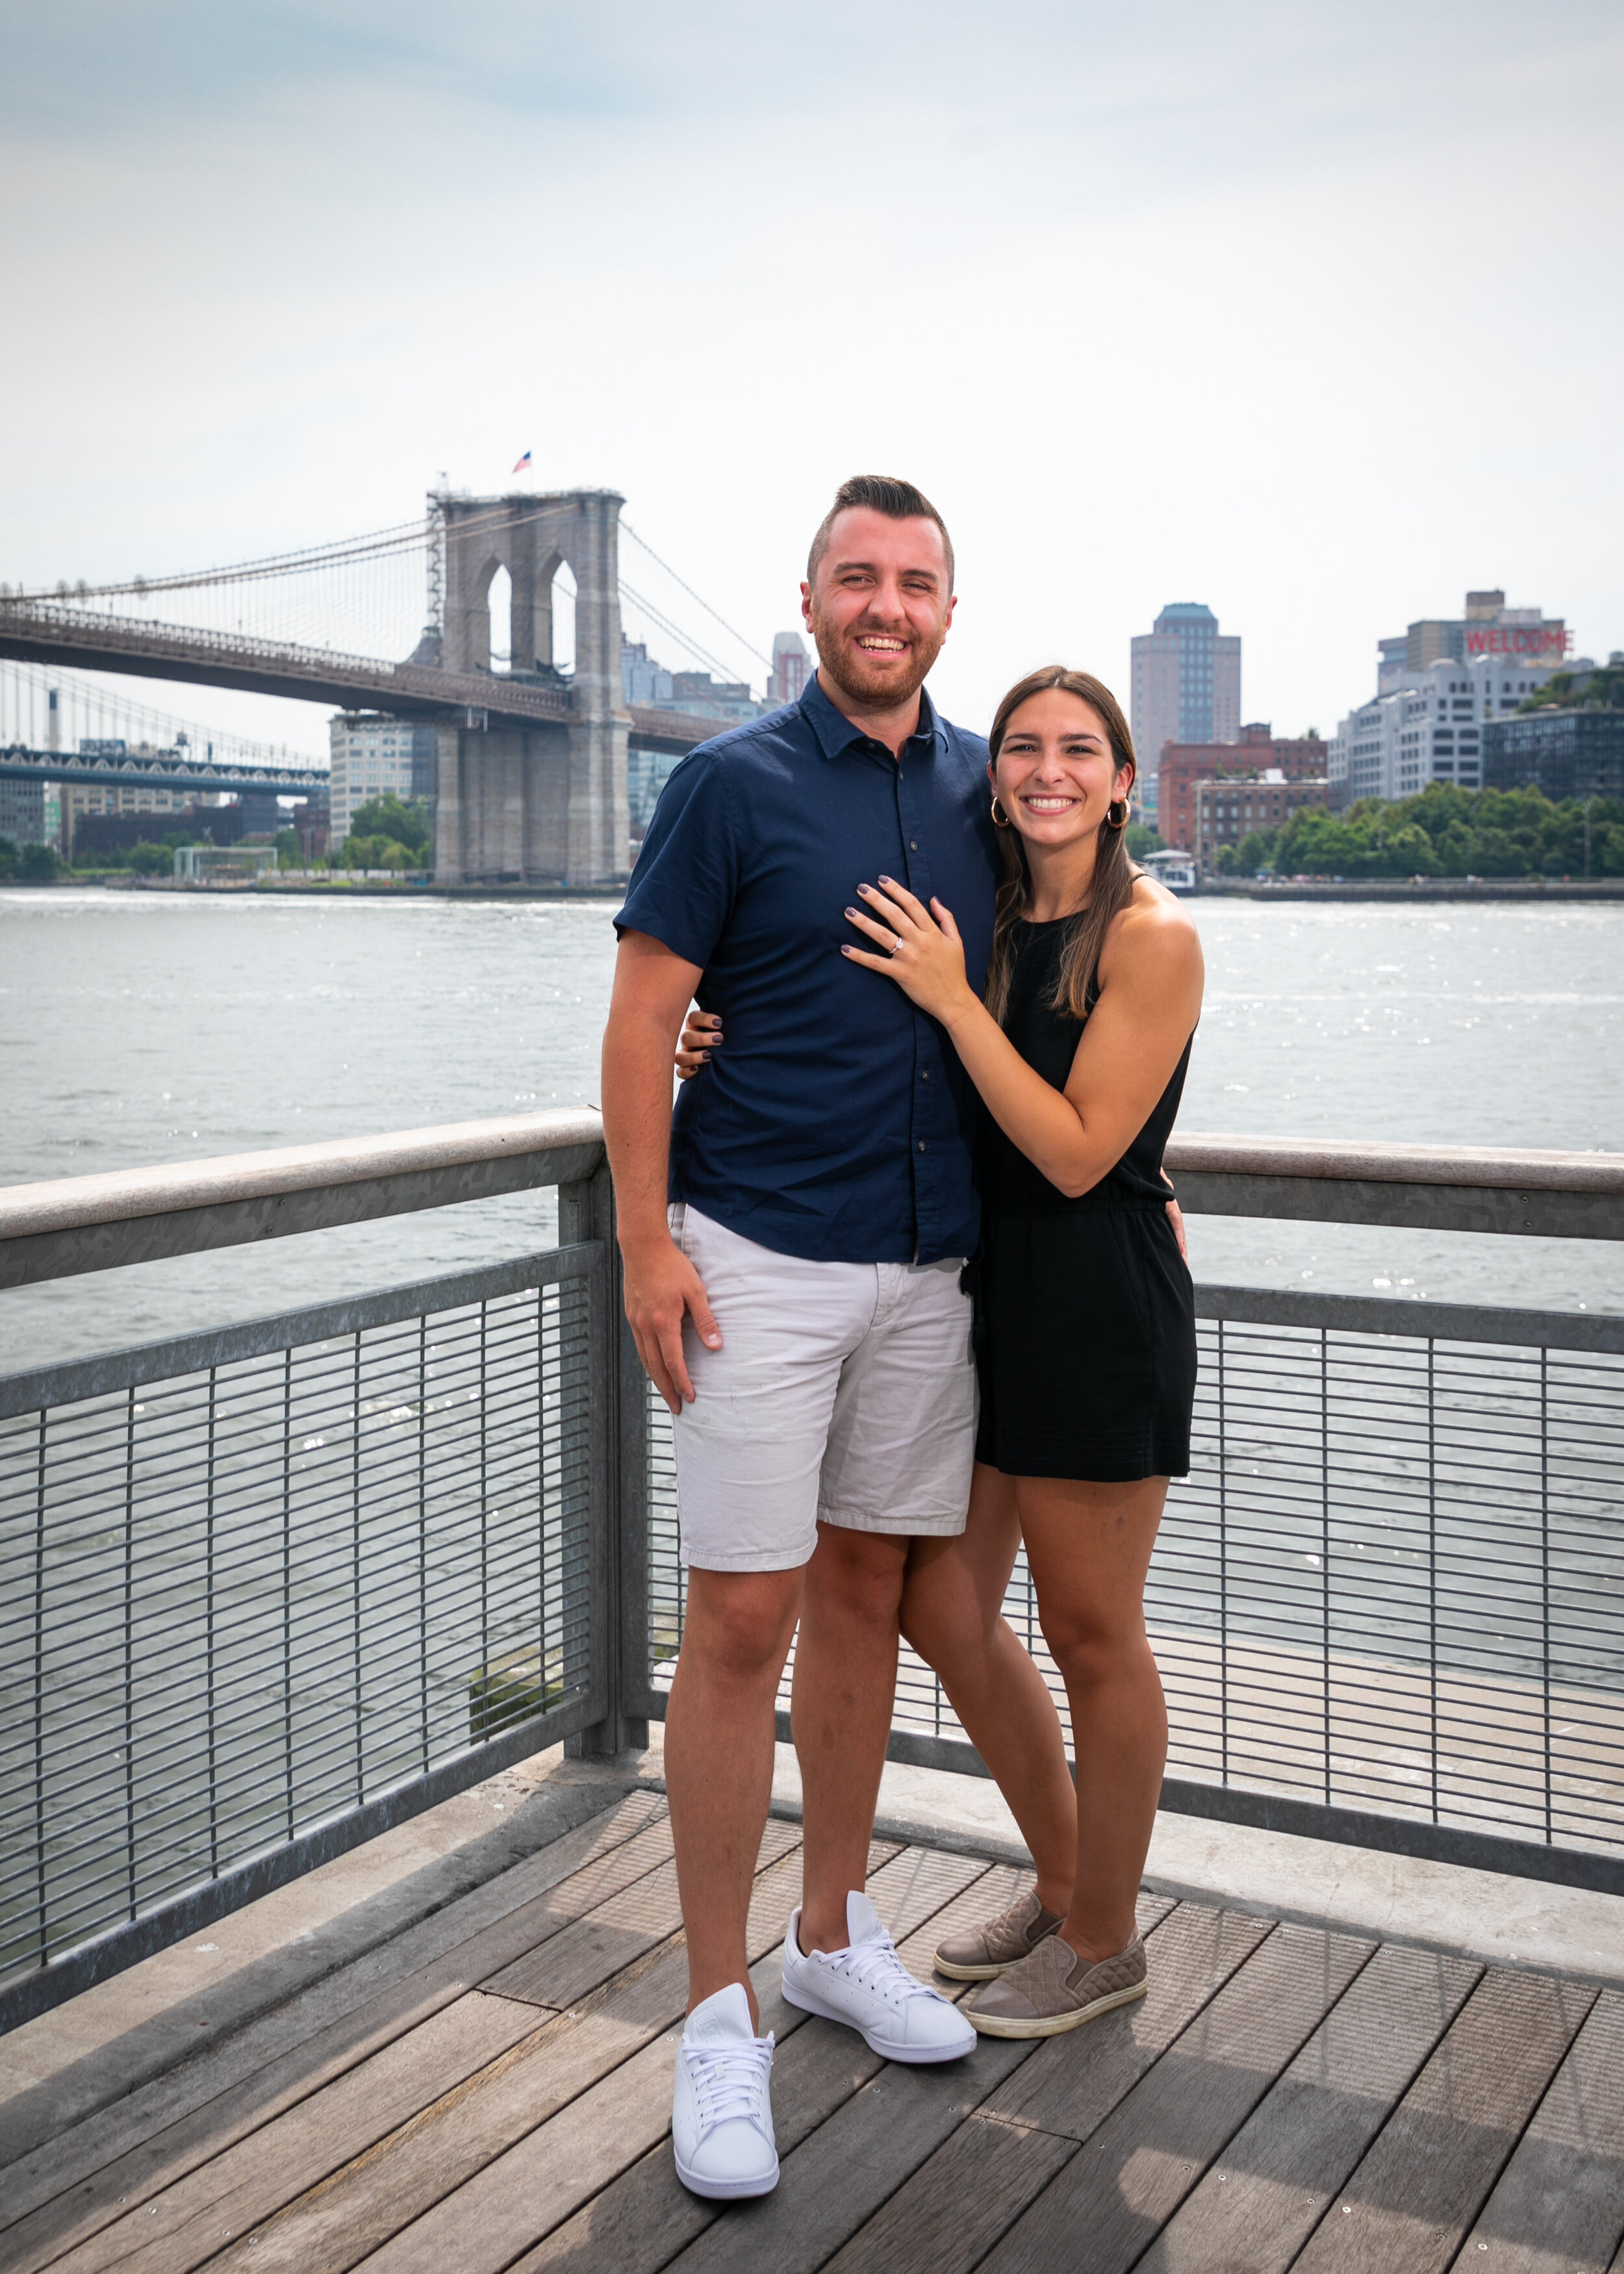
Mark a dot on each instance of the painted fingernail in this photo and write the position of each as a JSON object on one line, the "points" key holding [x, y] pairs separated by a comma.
{"points": [[885, 879]]}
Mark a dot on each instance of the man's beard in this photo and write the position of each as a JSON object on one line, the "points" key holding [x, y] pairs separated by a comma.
{"points": [[846, 667]]}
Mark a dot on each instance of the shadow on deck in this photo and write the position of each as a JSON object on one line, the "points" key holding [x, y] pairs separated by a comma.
{"points": [[491, 2089]]}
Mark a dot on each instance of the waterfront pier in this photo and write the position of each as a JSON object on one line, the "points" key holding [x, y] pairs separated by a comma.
{"points": [[338, 1919]]}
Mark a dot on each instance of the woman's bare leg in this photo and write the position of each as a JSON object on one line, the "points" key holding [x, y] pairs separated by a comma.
{"points": [[952, 1613], [1089, 1547]]}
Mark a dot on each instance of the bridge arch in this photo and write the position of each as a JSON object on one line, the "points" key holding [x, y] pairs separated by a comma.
{"points": [[541, 803]]}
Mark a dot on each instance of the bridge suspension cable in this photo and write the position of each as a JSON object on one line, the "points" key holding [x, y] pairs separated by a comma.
{"points": [[629, 531], [364, 596], [674, 631], [95, 711]]}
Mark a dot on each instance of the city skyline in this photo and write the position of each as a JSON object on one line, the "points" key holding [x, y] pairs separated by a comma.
{"points": [[301, 302]]}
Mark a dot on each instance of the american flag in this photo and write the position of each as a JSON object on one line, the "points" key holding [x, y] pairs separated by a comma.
{"points": [[524, 465]]}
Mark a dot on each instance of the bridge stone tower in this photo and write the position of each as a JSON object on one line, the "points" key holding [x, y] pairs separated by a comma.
{"points": [[542, 804]]}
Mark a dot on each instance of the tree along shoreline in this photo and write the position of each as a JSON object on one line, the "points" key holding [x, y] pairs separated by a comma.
{"points": [[1389, 891], [1446, 833]]}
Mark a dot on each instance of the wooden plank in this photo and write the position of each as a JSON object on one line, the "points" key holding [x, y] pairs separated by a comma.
{"points": [[53, 2131], [458, 2133], [1421, 2182], [1559, 2207], [1192, 1956], [862, 2152], [517, 2198], [641, 2221], [86, 2071], [852, 2164], [187, 2225], [1111, 2200], [1268, 2190], [613, 1935], [69, 2190], [959, 2202], [1193, 1950], [301, 2150]]}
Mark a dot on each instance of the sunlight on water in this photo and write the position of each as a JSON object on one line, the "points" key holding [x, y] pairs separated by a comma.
{"points": [[142, 1027]]}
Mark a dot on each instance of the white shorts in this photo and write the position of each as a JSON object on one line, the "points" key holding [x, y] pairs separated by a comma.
{"points": [[843, 1393]]}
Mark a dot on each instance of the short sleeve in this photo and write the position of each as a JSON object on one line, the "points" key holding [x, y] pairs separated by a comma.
{"points": [[687, 877]]}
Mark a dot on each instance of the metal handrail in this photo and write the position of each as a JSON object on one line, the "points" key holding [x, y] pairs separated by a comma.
{"points": [[1428, 1188], [72, 1225], [1484, 1167]]}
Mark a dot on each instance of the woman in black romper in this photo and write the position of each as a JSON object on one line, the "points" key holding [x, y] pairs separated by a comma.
{"points": [[1088, 1341]]}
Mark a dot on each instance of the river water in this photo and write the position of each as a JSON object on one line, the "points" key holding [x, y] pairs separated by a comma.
{"points": [[138, 1027]]}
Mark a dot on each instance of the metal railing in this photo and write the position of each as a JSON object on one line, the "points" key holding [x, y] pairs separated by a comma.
{"points": [[265, 1591]]}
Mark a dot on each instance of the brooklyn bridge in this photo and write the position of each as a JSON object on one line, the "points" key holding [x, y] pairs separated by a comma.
{"points": [[532, 746]]}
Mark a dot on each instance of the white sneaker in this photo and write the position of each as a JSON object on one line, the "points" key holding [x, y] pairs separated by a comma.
{"points": [[868, 1988], [721, 2108]]}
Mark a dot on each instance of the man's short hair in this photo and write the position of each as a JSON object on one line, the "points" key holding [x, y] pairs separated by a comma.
{"points": [[881, 493]]}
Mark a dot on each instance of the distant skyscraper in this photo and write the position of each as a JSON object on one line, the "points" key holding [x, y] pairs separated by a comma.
{"points": [[1523, 638], [792, 667], [1186, 689]]}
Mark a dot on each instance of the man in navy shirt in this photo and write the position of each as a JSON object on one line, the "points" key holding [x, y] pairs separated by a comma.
{"points": [[791, 1248]]}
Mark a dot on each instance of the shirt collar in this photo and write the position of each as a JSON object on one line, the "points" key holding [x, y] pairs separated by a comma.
{"points": [[835, 732]]}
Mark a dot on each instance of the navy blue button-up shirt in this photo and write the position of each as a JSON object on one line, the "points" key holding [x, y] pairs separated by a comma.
{"points": [[836, 1121]]}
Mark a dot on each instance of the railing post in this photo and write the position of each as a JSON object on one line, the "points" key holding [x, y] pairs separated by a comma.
{"points": [[619, 1557]]}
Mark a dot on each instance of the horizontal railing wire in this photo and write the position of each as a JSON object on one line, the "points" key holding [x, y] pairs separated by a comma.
{"points": [[240, 1603], [1392, 1585]]}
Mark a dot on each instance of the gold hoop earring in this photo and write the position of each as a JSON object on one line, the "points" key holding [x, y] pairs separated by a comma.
{"points": [[1000, 819], [1117, 813]]}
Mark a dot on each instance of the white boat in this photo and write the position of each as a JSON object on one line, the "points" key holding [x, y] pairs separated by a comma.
{"points": [[1175, 870]]}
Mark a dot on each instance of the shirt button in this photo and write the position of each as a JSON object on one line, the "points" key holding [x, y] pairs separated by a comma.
{"points": [[921, 1144], [912, 843], [924, 1074]]}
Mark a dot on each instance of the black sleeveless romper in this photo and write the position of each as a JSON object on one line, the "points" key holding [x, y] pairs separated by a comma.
{"points": [[1086, 1329]]}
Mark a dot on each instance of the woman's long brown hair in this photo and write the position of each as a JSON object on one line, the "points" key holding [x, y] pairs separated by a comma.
{"points": [[1113, 871]]}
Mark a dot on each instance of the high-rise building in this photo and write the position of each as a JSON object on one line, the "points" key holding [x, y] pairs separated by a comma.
{"points": [[1567, 751], [643, 681], [22, 812], [1428, 727], [1514, 638], [373, 755], [792, 667], [1186, 689]]}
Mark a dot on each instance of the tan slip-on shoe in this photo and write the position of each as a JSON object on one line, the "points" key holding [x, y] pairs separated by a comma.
{"points": [[1054, 1990], [982, 1952]]}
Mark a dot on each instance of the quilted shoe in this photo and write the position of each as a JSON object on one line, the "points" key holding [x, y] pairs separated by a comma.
{"points": [[866, 1986], [982, 1952], [1054, 1989], [721, 2107]]}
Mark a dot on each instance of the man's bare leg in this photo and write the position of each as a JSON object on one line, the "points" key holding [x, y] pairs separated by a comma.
{"points": [[719, 1760], [845, 1683]]}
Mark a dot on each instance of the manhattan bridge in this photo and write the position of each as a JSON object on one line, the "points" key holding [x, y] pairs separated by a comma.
{"points": [[449, 621]]}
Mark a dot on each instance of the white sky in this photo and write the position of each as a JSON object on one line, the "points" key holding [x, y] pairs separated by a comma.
{"points": [[1308, 310]]}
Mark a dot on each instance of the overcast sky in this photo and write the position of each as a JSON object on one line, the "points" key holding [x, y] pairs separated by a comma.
{"points": [[1309, 309]]}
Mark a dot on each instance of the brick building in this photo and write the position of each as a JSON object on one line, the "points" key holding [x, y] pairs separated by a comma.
{"points": [[1257, 752], [1228, 811]]}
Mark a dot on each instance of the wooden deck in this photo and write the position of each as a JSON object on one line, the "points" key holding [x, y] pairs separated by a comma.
{"points": [[491, 2090]]}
